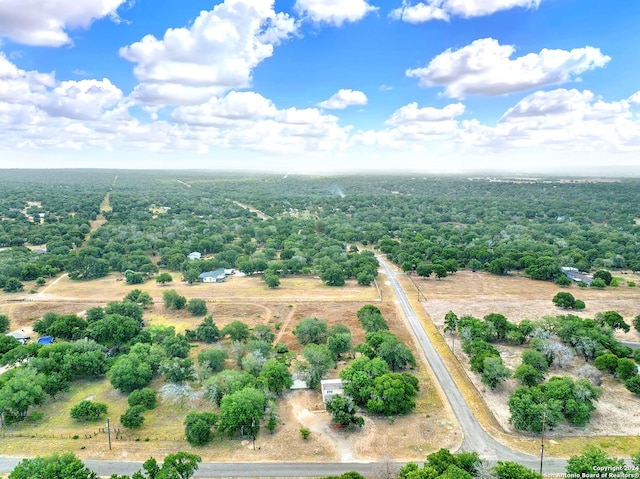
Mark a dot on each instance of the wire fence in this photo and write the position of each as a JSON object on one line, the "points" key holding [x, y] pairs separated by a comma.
{"points": [[116, 434]]}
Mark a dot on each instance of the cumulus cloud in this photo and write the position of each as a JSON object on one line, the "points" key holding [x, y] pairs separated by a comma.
{"points": [[412, 114], [485, 67], [444, 9], [344, 98], [334, 12], [216, 54], [45, 23]]}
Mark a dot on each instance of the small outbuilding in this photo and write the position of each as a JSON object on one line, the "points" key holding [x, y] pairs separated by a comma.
{"points": [[20, 336], [194, 255], [330, 388]]}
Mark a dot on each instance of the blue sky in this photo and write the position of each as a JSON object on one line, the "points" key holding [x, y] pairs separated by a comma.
{"points": [[532, 86]]}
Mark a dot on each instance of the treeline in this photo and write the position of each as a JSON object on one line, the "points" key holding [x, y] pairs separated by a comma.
{"points": [[438, 224]]}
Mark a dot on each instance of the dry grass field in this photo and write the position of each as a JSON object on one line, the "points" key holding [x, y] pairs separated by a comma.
{"points": [[478, 294], [247, 299]]}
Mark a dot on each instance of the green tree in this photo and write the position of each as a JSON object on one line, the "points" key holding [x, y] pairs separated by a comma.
{"points": [[145, 397], [451, 326], [114, 330], [236, 330], [4, 323], [440, 271], [141, 298], [88, 411], [424, 270], [536, 360], [197, 307], [178, 370], [343, 412], [198, 427], [513, 470], [607, 362], [212, 359], [66, 466], [133, 417], [592, 459], [172, 300], [604, 275], [207, 330], [333, 276], [636, 323], [339, 344], [598, 283], [180, 465], [371, 318], [564, 300], [633, 384], [494, 372], [242, 410], [613, 319], [626, 369], [164, 278], [318, 360], [130, 373], [311, 330], [528, 375], [20, 392], [392, 394], [176, 346], [276, 376], [12, 285], [272, 280], [262, 332]]}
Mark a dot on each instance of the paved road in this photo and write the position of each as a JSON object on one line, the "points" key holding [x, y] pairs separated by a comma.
{"points": [[475, 438], [227, 469]]}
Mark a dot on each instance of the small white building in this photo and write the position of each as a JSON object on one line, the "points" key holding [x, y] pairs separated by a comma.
{"points": [[194, 255], [330, 388]]}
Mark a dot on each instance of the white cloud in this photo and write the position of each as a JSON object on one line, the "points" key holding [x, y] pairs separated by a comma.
{"points": [[235, 107], [334, 12], [412, 114], [82, 100], [444, 9], [216, 54], [485, 68], [344, 98], [45, 23]]}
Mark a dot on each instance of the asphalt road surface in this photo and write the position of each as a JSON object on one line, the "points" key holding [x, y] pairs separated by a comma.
{"points": [[475, 438]]}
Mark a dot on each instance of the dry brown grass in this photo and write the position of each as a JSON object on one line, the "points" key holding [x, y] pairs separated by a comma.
{"points": [[519, 298], [249, 300]]}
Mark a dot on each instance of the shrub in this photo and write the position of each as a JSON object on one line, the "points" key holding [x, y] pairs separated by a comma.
{"points": [[88, 411], [305, 433], [133, 417], [143, 397], [197, 307]]}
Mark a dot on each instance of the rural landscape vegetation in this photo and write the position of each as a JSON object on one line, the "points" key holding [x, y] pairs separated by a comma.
{"points": [[191, 316]]}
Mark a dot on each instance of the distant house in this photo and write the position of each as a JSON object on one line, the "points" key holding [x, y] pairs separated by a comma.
{"points": [[194, 255], [20, 336], [216, 276], [330, 388], [575, 275], [229, 272]]}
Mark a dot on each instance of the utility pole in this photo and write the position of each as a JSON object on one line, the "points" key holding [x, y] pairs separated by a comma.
{"points": [[109, 433], [544, 417]]}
